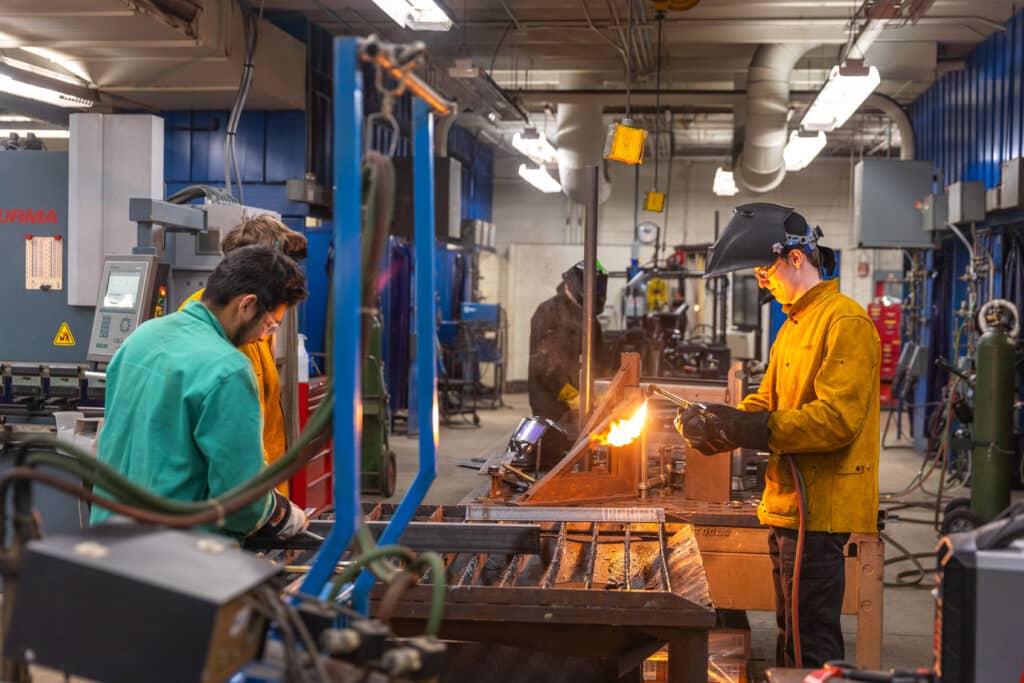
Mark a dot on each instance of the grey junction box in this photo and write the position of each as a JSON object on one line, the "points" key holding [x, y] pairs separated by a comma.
{"points": [[885, 215], [966, 202]]}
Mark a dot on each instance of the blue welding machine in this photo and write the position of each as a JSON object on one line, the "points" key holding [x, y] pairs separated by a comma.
{"points": [[480, 313]]}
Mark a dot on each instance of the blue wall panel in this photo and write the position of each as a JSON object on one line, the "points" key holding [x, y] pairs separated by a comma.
{"points": [[177, 146], [285, 146], [477, 160], [970, 121], [271, 148]]}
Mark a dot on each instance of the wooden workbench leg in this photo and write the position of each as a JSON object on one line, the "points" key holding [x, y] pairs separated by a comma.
{"points": [[688, 657], [871, 564]]}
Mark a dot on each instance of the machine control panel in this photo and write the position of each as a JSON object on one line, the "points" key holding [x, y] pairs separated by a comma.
{"points": [[124, 302]]}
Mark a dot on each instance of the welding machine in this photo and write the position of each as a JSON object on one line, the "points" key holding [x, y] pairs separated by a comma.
{"points": [[122, 603], [979, 603]]}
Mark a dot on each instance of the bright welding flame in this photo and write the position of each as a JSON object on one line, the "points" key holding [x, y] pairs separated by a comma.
{"points": [[625, 432]]}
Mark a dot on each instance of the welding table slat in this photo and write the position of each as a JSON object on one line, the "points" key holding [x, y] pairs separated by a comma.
{"points": [[496, 513], [448, 537]]}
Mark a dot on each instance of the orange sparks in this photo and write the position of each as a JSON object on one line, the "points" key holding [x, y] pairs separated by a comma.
{"points": [[625, 432]]}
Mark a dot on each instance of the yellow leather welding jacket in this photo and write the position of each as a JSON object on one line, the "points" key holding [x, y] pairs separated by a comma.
{"points": [[822, 387], [261, 354]]}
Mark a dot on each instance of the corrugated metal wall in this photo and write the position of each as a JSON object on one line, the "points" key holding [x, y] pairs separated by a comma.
{"points": [[970, 121], [967, 124], [477, 172]]}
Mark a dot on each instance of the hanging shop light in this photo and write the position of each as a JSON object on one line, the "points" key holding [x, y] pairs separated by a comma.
{"points": [[725, 183], [416, 15], [539, 178], [49, 96], [802, 147], [533, 144], [845, 90], [41, 133]]}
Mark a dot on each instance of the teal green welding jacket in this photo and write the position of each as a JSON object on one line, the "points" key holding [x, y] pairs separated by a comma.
{"points": [[183, 415]]}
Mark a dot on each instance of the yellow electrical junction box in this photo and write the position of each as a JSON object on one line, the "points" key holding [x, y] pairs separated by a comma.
{"points": [[654, 201], [625, 144], [674, 5]]}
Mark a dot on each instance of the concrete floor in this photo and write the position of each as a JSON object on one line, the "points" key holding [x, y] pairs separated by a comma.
{"points": [[908, 612]]}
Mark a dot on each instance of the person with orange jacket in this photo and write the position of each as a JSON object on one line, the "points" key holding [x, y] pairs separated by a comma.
{"points": [[267, 231]]}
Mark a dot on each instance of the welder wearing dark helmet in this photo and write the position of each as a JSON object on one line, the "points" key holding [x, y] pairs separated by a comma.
{"points": [[556, 345], [816, 413]]}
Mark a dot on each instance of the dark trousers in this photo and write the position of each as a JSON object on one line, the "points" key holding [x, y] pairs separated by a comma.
{"points": [[822, 584]]}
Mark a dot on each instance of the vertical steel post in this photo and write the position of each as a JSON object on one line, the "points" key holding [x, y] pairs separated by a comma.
{"points": [[589, 286], [426, 352], [345, 279]]}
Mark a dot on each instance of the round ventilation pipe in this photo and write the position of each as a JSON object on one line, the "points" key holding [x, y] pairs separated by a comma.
{"points": [[581, 133], [760, 167]]}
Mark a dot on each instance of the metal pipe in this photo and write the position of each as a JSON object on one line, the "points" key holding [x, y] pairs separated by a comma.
{"points": [[840, 22], [866, 37], [711, 99], [589, 287]]}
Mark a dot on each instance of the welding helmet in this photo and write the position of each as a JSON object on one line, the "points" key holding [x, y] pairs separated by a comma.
{"points": [[573, 279], [760, 233]]}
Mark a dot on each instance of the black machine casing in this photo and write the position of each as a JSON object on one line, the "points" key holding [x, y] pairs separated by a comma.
{"points": [[979, 612], [122, 603]]}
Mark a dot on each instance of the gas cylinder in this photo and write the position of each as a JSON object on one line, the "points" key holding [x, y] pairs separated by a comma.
{"points": [[993, 454]]}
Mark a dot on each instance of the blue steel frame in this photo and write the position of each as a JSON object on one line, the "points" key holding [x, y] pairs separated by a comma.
{"points": [[348, 115], [426, 351], [345, 366]]}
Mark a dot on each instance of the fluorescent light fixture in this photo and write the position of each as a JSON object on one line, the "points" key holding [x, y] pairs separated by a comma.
{"points": [[539, 178], [39, 71], [802, 148], [34, 92], [416, 15], [725, 183], [41, 133], [845, 90], [60, 59], [13, 118], [535, 146]]}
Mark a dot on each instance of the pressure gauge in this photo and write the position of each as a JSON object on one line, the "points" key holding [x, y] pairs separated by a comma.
{"points": [[647, 232]]}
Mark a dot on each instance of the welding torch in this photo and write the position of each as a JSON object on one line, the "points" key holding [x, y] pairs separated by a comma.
{"points": [[702, 408], [712, 420]]}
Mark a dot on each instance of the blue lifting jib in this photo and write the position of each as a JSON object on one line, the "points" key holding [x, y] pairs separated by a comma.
{"points": [[348, 117]]}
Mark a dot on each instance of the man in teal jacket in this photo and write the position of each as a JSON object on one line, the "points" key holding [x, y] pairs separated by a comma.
{"points": [[182, 410]]}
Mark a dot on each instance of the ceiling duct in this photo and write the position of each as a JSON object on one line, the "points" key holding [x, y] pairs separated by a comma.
{"points": [[760, 167], [581, 133]]}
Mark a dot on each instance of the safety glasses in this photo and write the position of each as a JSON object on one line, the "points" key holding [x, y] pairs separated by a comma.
{"points": [[762, 273]]}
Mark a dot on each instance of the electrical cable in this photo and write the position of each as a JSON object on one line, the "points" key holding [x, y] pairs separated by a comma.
{"points": [[147, 507], [629, 67], [919, 572], [293, 665], [799, 487], [306, 637], [251, 26]]}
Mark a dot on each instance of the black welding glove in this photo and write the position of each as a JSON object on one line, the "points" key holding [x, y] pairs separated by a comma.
{"points": [[744, 429], [701, 431]]}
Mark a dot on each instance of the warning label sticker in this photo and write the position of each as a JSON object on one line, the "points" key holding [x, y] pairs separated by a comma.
{"points": [[64, 336]]}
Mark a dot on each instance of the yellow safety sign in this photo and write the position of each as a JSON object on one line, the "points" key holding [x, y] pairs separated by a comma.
{"points": [[64, 336]]}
